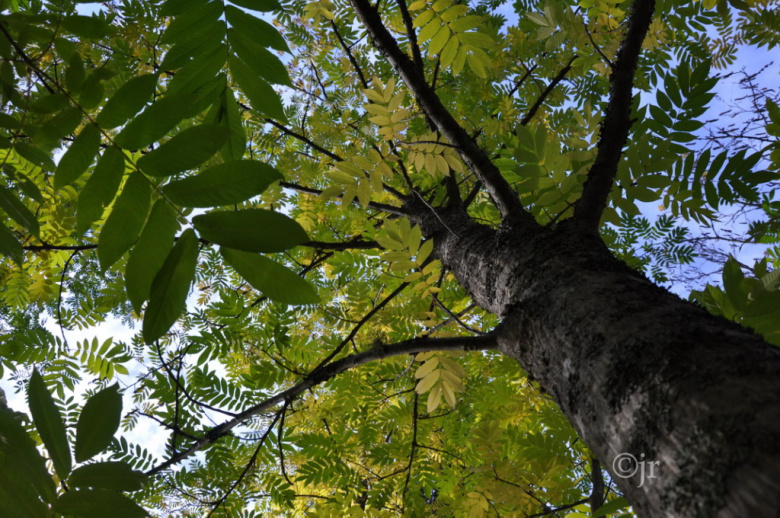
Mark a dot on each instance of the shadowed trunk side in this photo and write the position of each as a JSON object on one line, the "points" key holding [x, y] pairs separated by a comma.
{"points": [[640, 373]]}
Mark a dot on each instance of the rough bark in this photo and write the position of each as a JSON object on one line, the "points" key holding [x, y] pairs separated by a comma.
{"points": [[636, 369]]}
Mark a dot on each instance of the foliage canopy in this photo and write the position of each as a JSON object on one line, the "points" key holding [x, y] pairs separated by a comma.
{"points": [[233, 180]]}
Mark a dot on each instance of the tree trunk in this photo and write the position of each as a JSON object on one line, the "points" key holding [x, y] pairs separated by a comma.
{"points": [[682, 407]]}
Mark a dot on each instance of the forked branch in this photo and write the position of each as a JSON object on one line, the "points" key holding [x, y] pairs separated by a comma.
{"points": [[617, 121], [475, 159]]}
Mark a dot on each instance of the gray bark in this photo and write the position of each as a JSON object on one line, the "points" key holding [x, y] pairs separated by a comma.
{"points": [[695, 399]]}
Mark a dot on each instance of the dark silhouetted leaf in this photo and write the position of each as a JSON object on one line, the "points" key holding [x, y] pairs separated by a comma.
{"points": [[170, 287], [101, 188], [252, 27], [155, 121], [17, 449], [223, 184], [251, 230], [61, 125], [90, 27], [263, 98], [272, 279], [149, 254], [127, 101], [18, 211], [187, 150], [262, 62], [98, 423], [97, 503], [125, 221], [78, 157], [116, 476], [9, 245], [259, 5], [48, 422]]}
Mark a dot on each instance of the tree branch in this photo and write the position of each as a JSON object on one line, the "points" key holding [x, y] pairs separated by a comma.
{"points": [[475, 159], [326, 372], [547, 91], [351, 57], [304, 139], [412, 35], [399, 211], [346, 245], [617, 122]]}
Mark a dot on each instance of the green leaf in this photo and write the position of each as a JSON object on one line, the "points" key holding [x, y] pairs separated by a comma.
{"points": [[732, 283], [90, 27], [100, 189], [611, 507], [223, 184], [190, 21], [62, 124], [149, 254], [272, 279], [262, 62], [763, 304], [127, 101], [187, 150], [259, 5], [92, 93], [18, 498], [155, 121], [75, 74], [228, 115], [35, 155], [125, 221], [97, 503], [170, 287], [262, 32], [10, 246], [263, 98], [48, 422], [78, 157], [18, 211], [116, 476], [773, 110], [251, 230], [199, 70], [175, 7], [17, 449], [98, 422]]}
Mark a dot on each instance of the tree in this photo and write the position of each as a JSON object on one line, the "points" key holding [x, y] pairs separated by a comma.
{"points": [[434, 179]]}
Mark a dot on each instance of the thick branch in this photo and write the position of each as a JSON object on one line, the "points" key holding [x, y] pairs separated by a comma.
{"points": [[475, 159], [617, 122], [322, 374]]}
